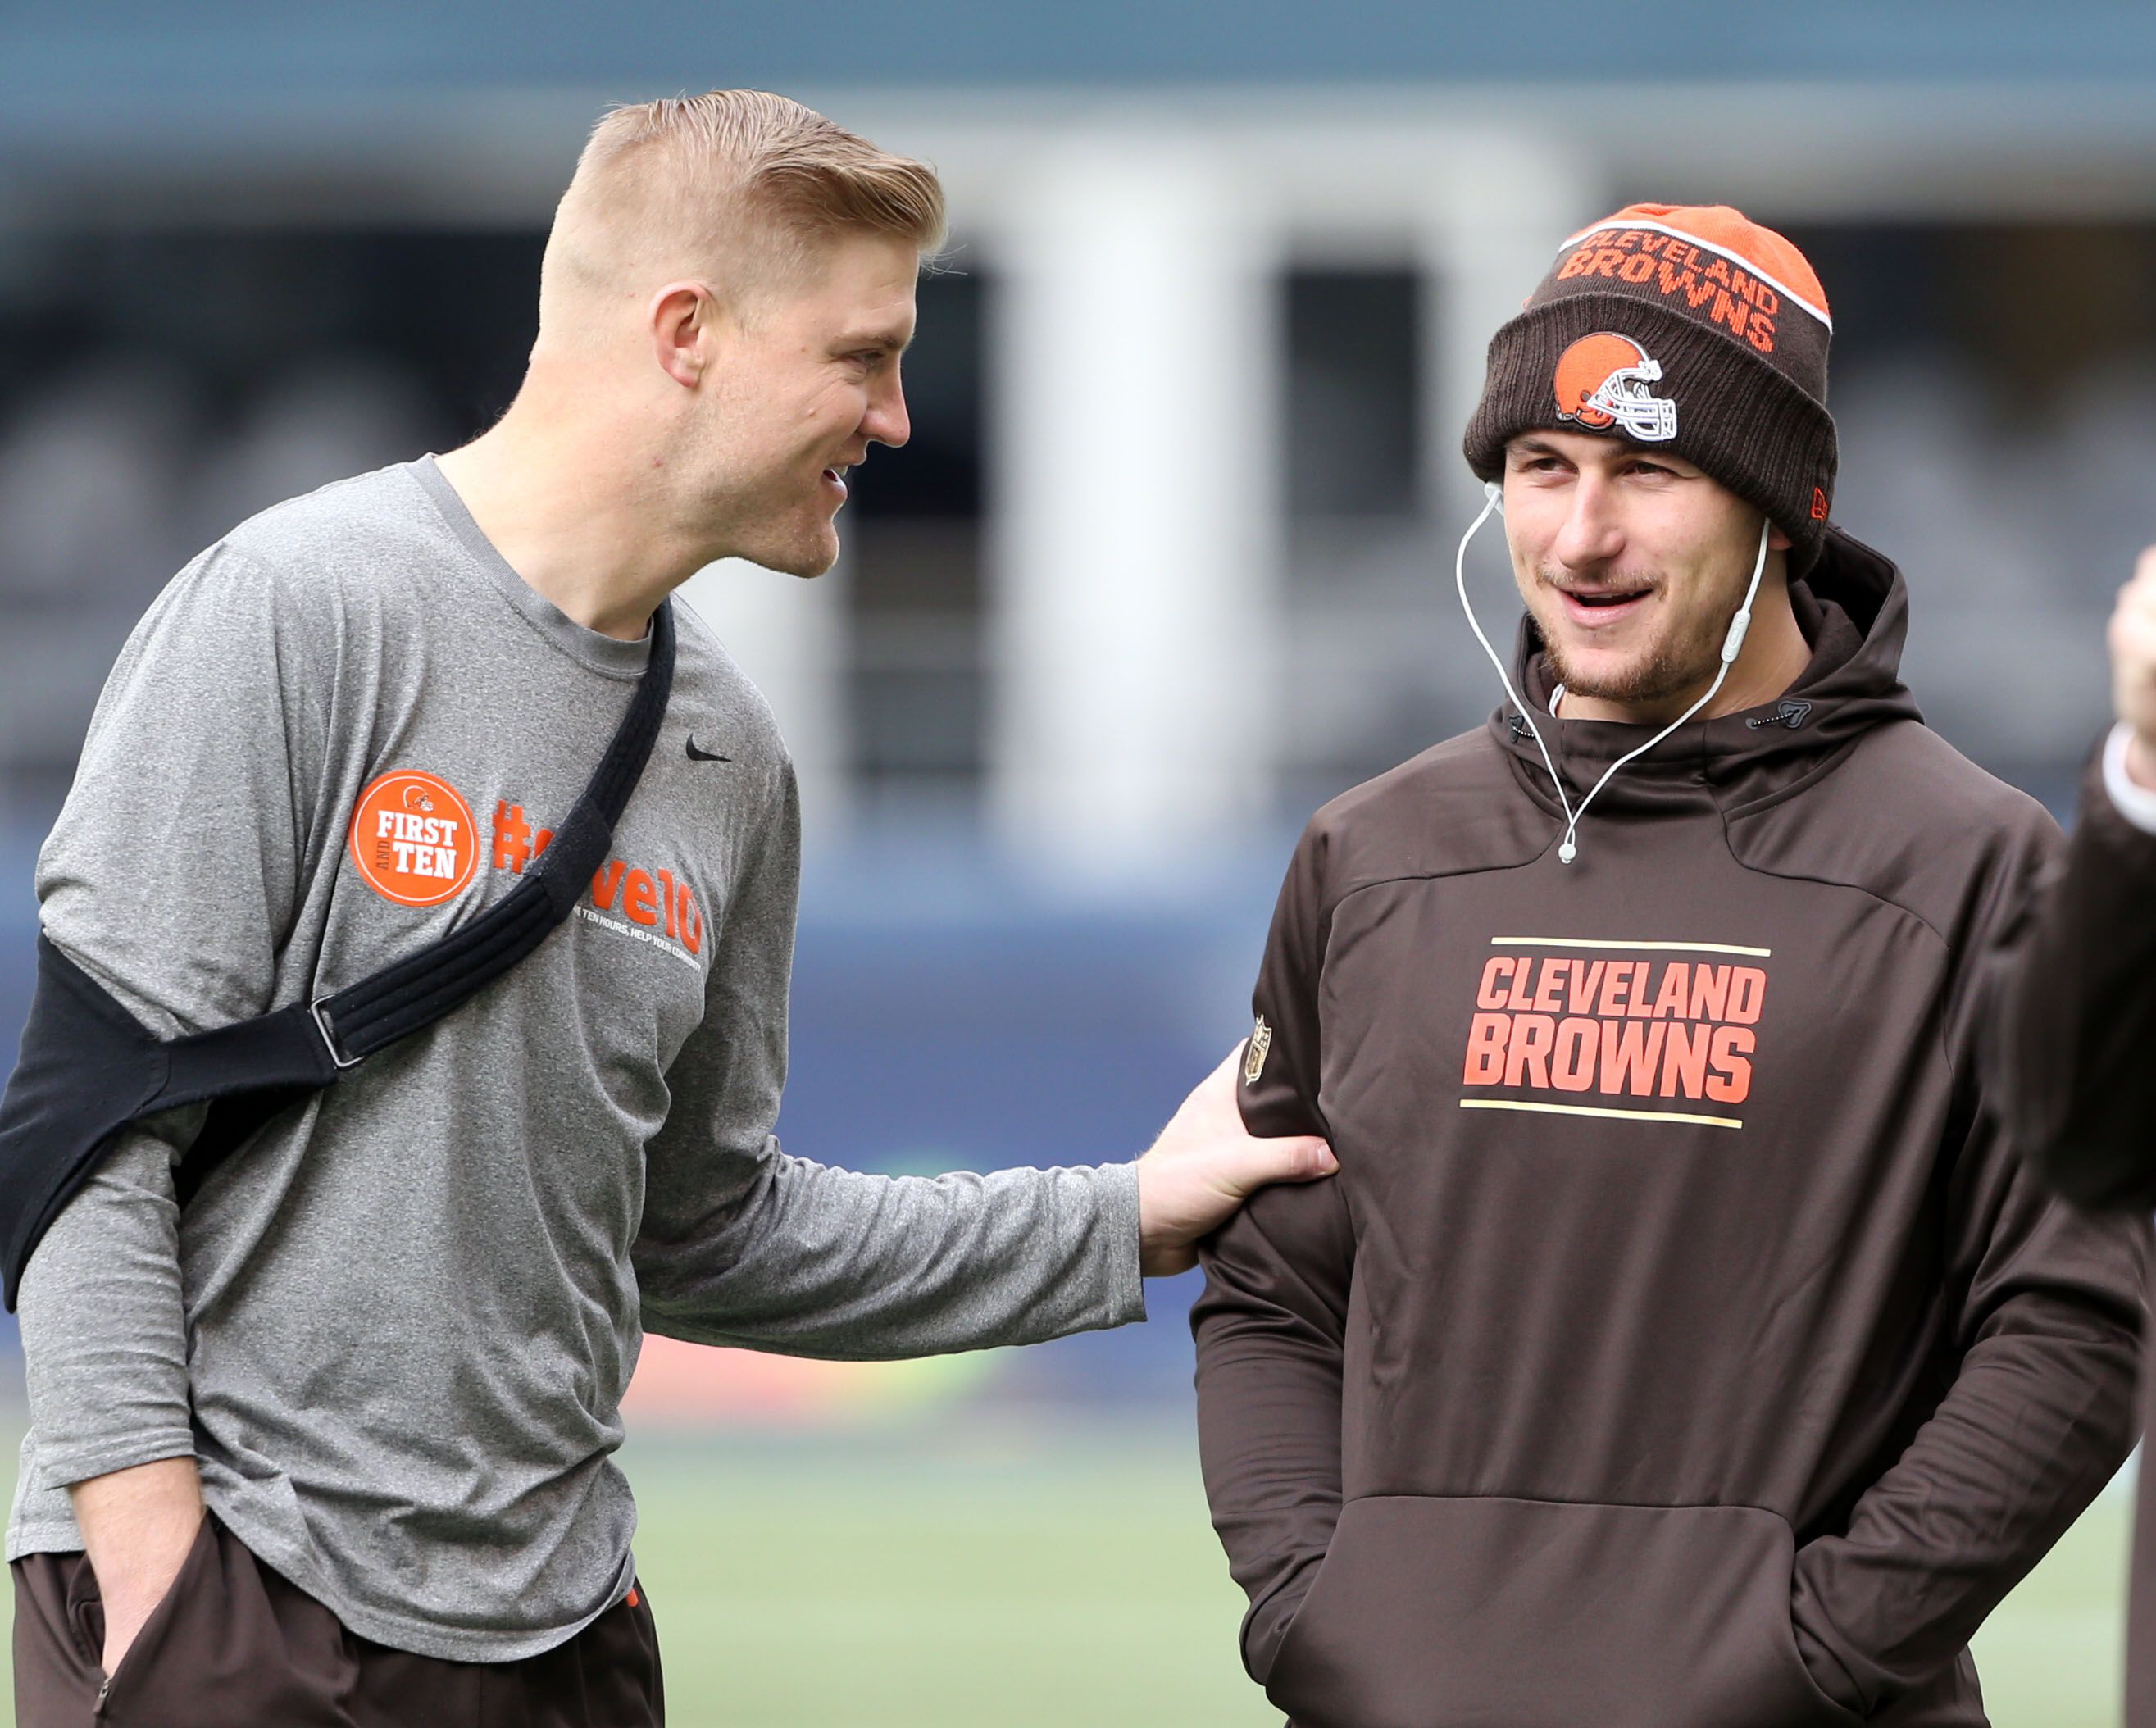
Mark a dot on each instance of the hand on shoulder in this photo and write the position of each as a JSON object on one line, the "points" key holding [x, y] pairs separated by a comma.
{"points": [[1205, 1164]]}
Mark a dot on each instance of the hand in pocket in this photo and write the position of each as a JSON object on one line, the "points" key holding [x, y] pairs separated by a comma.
{"points": [[138, 1525]]}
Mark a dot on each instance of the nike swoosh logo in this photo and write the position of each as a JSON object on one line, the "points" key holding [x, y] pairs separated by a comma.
{"points": [[703, 756]]}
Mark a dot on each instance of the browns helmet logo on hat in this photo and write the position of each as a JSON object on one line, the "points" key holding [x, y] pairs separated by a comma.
{"points": [[1606, 380], [1718, 316]]}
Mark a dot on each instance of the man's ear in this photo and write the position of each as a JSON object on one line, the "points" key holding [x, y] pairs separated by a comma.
{"points": [[1778, 541], [683, 318]]}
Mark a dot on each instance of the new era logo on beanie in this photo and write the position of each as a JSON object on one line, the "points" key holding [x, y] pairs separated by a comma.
{"points": [[1688, 328]]}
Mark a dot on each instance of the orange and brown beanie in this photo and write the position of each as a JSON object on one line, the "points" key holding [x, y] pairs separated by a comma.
{"points": [[1685, 327]]}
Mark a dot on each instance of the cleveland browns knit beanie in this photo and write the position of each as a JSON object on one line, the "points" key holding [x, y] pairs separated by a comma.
{"points": [[1686, 328]]}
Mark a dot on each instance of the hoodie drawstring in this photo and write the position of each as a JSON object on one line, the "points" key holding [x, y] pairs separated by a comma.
{"points": [[1733, 644]]}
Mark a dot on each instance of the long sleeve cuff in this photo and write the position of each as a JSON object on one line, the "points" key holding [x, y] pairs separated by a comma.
{"points": [[1119, 1211], [2134, 801]]}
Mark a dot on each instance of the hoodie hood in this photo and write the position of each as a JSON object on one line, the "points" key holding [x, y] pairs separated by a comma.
{"points": [[1853, 608]]}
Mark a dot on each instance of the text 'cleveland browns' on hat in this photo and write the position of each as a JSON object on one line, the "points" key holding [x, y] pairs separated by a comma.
{"points": [[1685, 327]]}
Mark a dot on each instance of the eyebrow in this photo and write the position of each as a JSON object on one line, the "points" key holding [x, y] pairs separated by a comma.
{"points": [[894, 337]]}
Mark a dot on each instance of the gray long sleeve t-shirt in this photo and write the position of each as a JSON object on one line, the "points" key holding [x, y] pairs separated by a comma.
{"points": [[395, 1328]]}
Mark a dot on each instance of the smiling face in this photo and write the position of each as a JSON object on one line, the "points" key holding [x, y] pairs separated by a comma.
{"points": [[1632, 563], [792, 390]]}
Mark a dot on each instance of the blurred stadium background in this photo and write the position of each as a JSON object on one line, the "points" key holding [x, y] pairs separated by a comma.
{"points": [[1166, 564]]}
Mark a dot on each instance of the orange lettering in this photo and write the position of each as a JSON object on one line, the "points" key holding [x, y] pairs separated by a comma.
{"points": [[1491, 992], [1549, 995], [1572, 1063], [1710, 993], [1613, 989], [1576, 265], [1639, 1008], [606, 882], [1732, 1080], [1529, 1054], [1684, 1061], [1518, 999], [1485, 1048], [1629, 1055], [1748, 994], [640, 899], [1734, 313], [1761, 335], [692, 922], [1580, 999], [666, 899], [1669, 999], [1637, 268], [1606, 262]]}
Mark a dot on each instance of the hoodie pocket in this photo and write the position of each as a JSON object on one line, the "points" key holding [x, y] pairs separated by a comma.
{"points": [[1459, 1613]]}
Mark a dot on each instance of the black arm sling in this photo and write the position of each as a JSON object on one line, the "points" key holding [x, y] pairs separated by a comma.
{"points": [[87, 1068]]}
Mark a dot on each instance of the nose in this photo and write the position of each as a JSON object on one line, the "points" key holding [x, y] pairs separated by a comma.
{"points": [[886, 421], [1593, 534]]}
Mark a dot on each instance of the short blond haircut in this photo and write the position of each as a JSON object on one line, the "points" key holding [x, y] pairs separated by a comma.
{"points": [[743, 185]]}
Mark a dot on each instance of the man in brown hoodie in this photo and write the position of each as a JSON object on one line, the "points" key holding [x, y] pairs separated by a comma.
{"points": [[2077, 1001], [1680, 1344]]}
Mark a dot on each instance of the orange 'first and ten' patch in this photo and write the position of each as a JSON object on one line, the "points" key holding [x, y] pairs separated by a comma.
{"points": [[413, 838]]}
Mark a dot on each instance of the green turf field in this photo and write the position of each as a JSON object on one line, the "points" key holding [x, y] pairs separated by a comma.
{"points": [[1028, 1578], [1044, 1581]]}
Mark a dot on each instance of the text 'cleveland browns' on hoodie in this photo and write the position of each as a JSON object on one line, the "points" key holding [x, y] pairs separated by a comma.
{"points": [[1680, 1344]]}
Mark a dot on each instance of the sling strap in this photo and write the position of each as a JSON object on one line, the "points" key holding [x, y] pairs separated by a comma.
{"points": [[89, 1068]]}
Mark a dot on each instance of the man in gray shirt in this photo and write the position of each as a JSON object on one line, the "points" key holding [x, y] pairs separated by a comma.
{"points": [[385, 1342]]}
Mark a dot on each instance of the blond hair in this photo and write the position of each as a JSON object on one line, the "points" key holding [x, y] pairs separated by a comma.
{"points": [[741, 184]]}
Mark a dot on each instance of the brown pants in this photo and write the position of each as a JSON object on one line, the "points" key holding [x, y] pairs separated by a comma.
{"points": [[233, 1645]]}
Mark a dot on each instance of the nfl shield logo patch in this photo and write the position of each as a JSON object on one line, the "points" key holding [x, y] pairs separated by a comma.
{"points": [[1254, 1053]]}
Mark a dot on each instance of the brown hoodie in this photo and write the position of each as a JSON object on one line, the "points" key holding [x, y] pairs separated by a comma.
{"points": [[2077, 1013], [1678, 1346]]}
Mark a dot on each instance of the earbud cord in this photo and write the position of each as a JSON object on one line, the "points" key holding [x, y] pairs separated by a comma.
{"points": [[1733, 645], [1492, 500]]}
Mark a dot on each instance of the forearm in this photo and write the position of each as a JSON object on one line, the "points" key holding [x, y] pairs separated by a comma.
{"points": [[1271, 1331], [137, 1526], [813, 1261], [104, 1324], [105, 1357], [1269, 1443], [2039, 1418]]}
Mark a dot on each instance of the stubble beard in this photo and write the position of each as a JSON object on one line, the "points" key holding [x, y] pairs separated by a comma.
{"points": [[781, 530], [1683, 656], [804, 552]]}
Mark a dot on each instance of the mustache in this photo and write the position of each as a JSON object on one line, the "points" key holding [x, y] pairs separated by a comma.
{"points": [[1622, 581]]}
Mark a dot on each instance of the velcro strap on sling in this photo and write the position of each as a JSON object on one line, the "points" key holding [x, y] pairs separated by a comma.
{"points": [[89, 1068]]}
